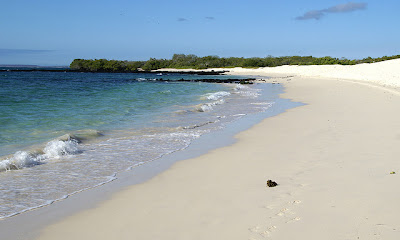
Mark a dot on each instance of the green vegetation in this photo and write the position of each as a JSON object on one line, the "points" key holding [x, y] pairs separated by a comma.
{"points": [[182, 61], [103, 65]]}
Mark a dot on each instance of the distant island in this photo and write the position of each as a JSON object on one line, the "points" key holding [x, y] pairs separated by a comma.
{"points": [[182, 61], [32, 68], [18, 65]]}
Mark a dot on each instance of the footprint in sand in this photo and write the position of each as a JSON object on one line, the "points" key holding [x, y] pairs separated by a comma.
{"points": [[267, 233], [263, 232], [269, 207], [284, 216], [283, 212], [295, 202], [255, 229], [294, 219]]}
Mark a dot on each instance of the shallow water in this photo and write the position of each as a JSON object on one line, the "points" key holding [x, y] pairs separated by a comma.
{"points": [[62, 133]]}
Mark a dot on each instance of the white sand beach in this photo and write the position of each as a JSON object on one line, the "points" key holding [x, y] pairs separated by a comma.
{"points": [[384, 73], [332, 159]]}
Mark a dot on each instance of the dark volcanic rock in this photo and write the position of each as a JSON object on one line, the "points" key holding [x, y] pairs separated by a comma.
{"points": [[229, 80], [271, 183], [193, 72]]}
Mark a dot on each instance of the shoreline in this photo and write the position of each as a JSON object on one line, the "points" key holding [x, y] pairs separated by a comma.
{"points": [[190, 120], [385, 73], [331, 182], [26, 224], [332, 159]]}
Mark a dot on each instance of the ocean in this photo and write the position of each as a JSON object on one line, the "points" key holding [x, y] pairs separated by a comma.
{"points": [[64, 132]]}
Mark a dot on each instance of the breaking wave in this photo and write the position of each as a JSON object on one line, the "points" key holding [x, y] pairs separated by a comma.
{"points": [[216, 95], [246, 91], [206, 107], [53, 150]]}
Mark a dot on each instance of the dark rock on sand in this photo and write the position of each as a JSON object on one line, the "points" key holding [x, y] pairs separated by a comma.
{"points": [[271, 183]]}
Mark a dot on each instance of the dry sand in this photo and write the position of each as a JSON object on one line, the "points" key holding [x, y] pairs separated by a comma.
{"points": [[332, 159], [386, 73]]}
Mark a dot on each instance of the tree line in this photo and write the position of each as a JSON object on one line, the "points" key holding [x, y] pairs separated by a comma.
{"points": [[182, 61]]}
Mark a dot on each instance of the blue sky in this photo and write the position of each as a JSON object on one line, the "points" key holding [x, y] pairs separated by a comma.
{"points": [[54, 32]]}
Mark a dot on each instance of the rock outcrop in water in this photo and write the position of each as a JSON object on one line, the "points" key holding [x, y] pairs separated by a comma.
{"points": [[211, 80]]}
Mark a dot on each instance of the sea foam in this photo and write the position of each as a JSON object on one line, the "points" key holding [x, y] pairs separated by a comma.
{"points": [[218, 100], [53, 150], [209, 106], [246, 91], [57, 148], [217, 95]]}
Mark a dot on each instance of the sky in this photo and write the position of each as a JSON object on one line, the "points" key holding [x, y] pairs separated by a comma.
{"points": [[54, 32]]}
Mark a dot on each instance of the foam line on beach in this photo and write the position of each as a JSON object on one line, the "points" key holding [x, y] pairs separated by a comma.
{"points": [[49, 202]]}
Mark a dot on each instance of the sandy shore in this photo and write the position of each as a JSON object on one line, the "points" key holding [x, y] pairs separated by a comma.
{"points": [[386, 73], [332, 159]]}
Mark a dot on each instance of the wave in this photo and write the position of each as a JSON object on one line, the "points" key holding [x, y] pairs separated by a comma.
{"points": [[216, 95], [206, 107], [64, 145], [81, 135], [48, 202], [53, 150], [199, 125], [246, 91], [263, 106], [240, 87], [181, 112], [145, 79]]}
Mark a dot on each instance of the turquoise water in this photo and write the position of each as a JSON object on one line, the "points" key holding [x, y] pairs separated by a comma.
{"points": [[62, 133], [38, 106]]}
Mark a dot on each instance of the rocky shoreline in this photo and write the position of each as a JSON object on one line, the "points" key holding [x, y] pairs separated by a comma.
{"points": [[211, 80], [161, 72]]}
